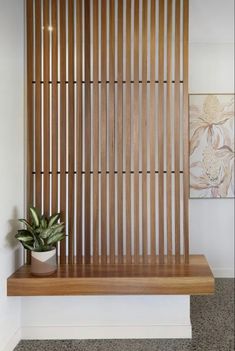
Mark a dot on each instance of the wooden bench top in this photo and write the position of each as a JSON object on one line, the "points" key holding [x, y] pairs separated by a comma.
{"points": [[194, 278]]}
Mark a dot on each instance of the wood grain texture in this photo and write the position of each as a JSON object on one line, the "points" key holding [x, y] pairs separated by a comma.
{"points": [[144, 132], [95, 133], [87, 134], [30, 112], [71, 129], [120, 131], [161, 132], [79, 31], [63, 138], [46, 109], [194, 278], [168, 131], [103, 132], [54, 16], [152, 129], [128, 131], [136, 131], [186, 127], [111, 118], [177, 131], [38, 129]]}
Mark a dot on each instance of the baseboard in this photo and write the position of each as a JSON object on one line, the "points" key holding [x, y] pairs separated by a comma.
{"points": [[108, 332], [223, 272], [12, 343]]}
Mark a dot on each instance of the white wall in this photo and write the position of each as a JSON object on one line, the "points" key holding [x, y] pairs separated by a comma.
{"points": [[211, 70], [11, 158]]}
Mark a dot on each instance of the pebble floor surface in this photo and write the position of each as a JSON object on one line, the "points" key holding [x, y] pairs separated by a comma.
{"points": [[213, 330]]}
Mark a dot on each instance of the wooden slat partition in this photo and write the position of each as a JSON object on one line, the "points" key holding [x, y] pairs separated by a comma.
{"points": [[104, 100]]}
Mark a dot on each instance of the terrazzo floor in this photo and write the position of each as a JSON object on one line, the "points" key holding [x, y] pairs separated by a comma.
{"points": [[213, 330]]}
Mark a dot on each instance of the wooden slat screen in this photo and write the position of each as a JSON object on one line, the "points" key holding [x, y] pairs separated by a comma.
{"points": [[107, 88]]}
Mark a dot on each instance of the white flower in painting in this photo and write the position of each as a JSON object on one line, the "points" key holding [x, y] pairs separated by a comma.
{"points": [[209, 122], [213, 175]]}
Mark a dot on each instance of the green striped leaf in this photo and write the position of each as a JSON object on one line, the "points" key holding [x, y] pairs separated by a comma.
{"points": [[27, 224], [35, 216], [53, 219], [43, 222], [24, 235], [55, 238]]}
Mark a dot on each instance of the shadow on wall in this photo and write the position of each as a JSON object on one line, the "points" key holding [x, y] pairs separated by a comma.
{"points": [[11, 242]]}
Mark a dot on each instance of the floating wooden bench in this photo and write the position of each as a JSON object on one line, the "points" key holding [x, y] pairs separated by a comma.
{"points": [[194, 278], [124, 207]]}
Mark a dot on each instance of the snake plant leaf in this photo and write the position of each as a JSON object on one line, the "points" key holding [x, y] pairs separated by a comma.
{"points": [[55, 238], [53, 219], [35, 216]]}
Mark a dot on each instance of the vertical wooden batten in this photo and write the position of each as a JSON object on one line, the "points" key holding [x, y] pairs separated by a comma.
{"points": [[71, 129], [63, 141], [128, 133], [103, 132], [177, 132], [79, 126], [120, 133], [96, 132], [38, 129], [54, 107], [168, 131], [152, 128], [46, 110], [111, 117], [186, 131], [161, 211], [87, 133], [136, 131]]}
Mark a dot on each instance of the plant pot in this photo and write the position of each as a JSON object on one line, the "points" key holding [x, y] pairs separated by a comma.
{"points": [[43, 263]]}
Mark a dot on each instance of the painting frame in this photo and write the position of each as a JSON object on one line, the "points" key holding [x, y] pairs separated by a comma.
{"points": [[211, 154]]}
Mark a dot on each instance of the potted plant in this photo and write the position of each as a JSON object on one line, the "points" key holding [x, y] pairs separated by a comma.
{"points": [[40, 237]]}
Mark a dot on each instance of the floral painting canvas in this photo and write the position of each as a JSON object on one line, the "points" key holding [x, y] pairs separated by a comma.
{"points": [[211, 146]]}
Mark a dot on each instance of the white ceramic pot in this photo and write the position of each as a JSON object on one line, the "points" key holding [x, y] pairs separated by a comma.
{"points": [[43, 263]]}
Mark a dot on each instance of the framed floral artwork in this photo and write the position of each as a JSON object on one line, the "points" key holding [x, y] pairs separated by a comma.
{"points": [[211, 145]]}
